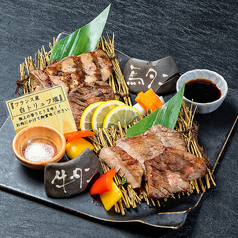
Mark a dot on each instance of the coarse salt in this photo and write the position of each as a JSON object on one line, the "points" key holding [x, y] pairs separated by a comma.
{"points": [[39, 151]]}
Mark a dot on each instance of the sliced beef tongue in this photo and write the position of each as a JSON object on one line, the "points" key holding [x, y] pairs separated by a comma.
{"points": [[88, 67], [151, 143], [162, 183], [169, 137], [137, 148], [125, 165], [72, 71], [86, 94], [171, 171], [40, 80], [186, 163]]}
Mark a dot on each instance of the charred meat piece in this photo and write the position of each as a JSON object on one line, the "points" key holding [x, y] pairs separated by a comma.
{"points": [[86, 94], [103, 63], [163, 183], [88, 67], [57, 76], [136, 148], [126, 166], [186, 163], [169, 137], [171, 171], [153, 142], [40, 80]]}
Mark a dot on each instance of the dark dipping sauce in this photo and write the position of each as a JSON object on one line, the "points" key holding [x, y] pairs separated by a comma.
{"points": [[202, 91]]}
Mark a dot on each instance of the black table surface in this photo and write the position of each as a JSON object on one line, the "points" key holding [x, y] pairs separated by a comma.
{"points": [[197, 34]]}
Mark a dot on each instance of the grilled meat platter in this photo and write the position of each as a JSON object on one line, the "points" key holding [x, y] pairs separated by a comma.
{"points": [[157, 163]]}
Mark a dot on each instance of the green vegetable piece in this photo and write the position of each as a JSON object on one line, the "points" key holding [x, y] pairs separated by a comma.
{"points": [[123, 181], [82, 40], [166, 115]]}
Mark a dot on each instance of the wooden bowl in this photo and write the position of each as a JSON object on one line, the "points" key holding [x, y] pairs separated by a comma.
{"points": [[47, 136]]}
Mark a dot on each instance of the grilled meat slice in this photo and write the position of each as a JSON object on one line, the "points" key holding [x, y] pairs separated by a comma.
{"points": [[150, 143], [126, 166], [153, 142], [169, 137], [162, 183], [103, 63], [136, 148], [88, 67], [86, 94], [186, 163], [59, 77], [40, 80], [171, 171]]}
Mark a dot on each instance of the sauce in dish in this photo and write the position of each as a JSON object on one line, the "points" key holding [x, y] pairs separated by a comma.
{"points": [[202, 91], [39, 150]]}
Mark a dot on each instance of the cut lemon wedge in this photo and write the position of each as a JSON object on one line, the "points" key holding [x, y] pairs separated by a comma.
{"points": [[101, 112], [86, 118], [126, 115]]}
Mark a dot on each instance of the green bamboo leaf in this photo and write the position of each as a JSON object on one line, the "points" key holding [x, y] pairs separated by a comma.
{"points": [[82, 40], [167, 116]]}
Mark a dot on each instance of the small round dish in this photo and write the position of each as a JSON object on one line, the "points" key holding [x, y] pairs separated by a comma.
{"points": [[204, 108], [46, 135]]}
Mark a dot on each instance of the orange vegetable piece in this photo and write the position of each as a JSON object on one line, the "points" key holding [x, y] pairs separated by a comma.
{"points": [[77, 134], [145, 102], [154, 98], [104, 183], [67, 135]]}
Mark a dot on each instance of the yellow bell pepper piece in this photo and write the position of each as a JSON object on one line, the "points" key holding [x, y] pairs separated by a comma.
{"points": [[75, 147], [110, 198]]}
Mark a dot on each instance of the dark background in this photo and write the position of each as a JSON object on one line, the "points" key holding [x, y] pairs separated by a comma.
{"points": [[197, 34]]}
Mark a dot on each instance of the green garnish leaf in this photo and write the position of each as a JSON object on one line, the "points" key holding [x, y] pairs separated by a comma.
{"points": [[166, 115], [82, 40], [123, 181]]}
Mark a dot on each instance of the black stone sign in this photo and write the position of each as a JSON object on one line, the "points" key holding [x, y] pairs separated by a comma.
{"points": [[160, 75], [69, 178]]}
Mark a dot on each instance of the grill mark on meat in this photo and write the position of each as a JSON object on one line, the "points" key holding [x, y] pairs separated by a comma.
{"points": [[162, 182], [86, 94], [169, 137], [168, 166], [40, 80], [177, 160], [96, 62], [153, 141], [172, 170], [79, 71], [137, 148], [72, 71], [125, 165]]}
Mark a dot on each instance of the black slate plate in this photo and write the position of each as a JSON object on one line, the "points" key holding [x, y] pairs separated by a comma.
{"points": [[214, 129]]}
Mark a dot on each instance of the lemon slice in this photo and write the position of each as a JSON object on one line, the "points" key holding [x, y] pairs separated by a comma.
{"points": [[123, 114], [86, 118], [101, 112]]}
